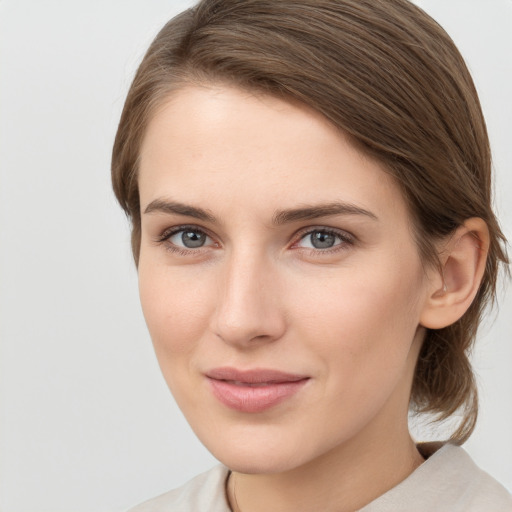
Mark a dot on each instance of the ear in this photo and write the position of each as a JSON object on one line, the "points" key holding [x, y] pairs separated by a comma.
{"points": [[453, 287]]}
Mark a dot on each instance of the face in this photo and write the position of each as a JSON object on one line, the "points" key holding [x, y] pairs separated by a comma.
{"points": [[279, 279]]}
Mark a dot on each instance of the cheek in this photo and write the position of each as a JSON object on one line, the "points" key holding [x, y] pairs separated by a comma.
{"points": [[175, 308], [363, 319]]}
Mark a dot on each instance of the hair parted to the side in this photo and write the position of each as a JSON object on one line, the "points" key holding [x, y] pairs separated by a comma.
{"points": [[387, 75]]}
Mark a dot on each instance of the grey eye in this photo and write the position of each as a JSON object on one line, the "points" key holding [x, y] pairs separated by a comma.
{"points": [[191, 239], [321, 239]]}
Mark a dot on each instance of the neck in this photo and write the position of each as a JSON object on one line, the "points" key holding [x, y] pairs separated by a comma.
{"points": [[343, 480]]}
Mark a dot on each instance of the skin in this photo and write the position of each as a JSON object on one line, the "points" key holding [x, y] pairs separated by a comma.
{"points": [[261, 295]]}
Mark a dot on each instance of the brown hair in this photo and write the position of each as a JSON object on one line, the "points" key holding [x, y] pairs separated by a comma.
{"points": [[387, 75]]}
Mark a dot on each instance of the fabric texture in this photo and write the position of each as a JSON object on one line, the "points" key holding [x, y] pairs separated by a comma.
{"points": [[448, 481]]}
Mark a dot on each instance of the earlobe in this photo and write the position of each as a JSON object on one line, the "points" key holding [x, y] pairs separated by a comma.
{"points": [[454, 286]]}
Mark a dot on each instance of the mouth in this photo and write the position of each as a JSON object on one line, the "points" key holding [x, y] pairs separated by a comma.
{"points": [[253, 391]]}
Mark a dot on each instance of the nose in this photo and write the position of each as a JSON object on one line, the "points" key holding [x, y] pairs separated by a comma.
{"points": [[249, 310]]}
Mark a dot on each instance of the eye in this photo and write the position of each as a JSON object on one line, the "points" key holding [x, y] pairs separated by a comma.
{"points": [[189, 238], [322, 239], [185, 238]]}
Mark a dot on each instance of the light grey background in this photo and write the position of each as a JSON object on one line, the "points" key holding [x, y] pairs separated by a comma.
{"points": [[86, 421]]}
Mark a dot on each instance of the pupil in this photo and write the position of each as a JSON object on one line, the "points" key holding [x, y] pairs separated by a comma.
{"points": [[191, 239], [321, 240]]}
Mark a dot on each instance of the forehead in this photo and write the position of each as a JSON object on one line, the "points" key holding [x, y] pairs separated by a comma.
{"points": [[233, 148]]}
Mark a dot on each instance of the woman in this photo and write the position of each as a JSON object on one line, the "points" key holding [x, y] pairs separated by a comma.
{"points": [[309, 189]]}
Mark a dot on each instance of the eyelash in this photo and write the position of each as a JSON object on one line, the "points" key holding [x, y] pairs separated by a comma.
{"points": [[345, 238], [182, 251]]}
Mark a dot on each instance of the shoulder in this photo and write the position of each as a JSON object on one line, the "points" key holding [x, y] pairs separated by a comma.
{"points": [[448, 481], [473, 489], [204, 493]]}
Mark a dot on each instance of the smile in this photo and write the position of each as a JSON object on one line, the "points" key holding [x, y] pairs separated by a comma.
{"points": [[253, 391]]}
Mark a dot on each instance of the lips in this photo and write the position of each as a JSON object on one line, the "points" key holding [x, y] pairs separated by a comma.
{"points": [[255, 390]]}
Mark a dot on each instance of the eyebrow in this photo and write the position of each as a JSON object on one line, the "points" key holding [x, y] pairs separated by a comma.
{"points": [[280, 217], [173, 207], [308, 212]]}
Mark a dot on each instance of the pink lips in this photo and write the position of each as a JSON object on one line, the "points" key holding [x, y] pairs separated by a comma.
{"points": [[253, 390]]}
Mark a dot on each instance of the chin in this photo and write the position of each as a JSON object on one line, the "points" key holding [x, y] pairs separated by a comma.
{"points": [[260, 451], [258, 462]]}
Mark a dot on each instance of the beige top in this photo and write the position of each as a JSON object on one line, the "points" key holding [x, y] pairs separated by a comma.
{"points": [[448, 481]]}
